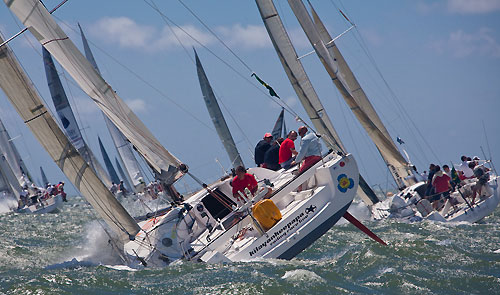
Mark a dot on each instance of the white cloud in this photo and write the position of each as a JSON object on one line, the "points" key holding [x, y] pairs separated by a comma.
{"points": [[129, 34], [462, 44], [473, 6], [425, 7], [137, 105], [250, 36]]}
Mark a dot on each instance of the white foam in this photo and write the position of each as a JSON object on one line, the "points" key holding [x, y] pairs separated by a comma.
{"points": [[302, 275], [7, 204]]}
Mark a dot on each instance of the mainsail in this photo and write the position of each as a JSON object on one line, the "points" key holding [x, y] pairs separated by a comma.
{"points": [[348, 86], [107, 162], [67, 117], [217, 116], [303, 87], [20, 91], [44, 177], [41, 24], [123, 147], [124, 177]]}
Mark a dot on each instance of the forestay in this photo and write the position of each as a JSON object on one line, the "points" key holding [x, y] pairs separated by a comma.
{"points": [[303, 87], [41, 24], [352, 93], [21, 93], [123, 147], [217, 116]]}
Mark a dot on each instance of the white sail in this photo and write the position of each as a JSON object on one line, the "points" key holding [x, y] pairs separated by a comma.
{"points": [[303, 87], [67, 117], [352, 93], [4, 183], [21, 93], [8, 151], [217, 116], [123, 147], [10, 183], [41, 24]]}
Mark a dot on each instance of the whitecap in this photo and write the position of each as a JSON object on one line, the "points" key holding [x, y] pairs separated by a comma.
{"points": [[302, 275]]}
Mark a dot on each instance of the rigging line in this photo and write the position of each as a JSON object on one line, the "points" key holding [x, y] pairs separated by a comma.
{"points": [[26, 28], [161, 93], [398, 104], [287, 108], [191, 58], [215, 35]]}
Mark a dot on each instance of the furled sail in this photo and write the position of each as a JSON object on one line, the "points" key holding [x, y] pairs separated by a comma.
{"points": [[350, 89], [21, 93], [278, 126], [107, 162], [303, 87], [67, 117], [123, 147], [41, 24], [44, 177], [217, 116]]}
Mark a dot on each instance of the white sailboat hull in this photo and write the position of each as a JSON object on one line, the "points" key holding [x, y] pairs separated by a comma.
{"points": [[415, 210], [328, 189], [45, 206]]}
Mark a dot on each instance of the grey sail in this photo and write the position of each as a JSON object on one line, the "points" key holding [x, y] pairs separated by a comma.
{"points": [[21, 93], [217, 116], [42, 25], [346, 83], [279, 125], [44, 177], [303, 87], [5, 188], [9, 182], [107, 162], [123, 147], [67, 117], [122, 174]]}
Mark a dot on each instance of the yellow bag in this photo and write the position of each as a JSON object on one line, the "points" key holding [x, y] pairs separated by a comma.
{"points": [[266, 213]]}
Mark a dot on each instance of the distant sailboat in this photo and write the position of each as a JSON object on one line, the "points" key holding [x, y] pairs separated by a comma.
{"points": [[279, 129]]}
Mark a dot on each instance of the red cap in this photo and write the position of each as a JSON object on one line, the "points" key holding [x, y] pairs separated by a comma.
{"points": [[268, 135]]}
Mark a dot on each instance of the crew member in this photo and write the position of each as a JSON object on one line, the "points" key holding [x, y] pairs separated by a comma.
{"points": [[287, 150], [241, 181], [272, 156], [310, 149], [261, 149]]}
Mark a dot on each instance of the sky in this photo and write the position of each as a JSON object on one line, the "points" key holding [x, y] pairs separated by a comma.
{"points": [[430, 68]]}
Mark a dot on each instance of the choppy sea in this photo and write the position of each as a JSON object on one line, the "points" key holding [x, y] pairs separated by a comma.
{"points": [[67, 253]]}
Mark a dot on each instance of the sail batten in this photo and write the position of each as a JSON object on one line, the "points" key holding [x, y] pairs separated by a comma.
{"points": [[41, 24], [21, 93], [352, 92], [217, 116]]}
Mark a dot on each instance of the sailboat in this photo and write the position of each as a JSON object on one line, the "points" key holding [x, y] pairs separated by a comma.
{"points": [[15, 183], [206, 227], [401, 170]]}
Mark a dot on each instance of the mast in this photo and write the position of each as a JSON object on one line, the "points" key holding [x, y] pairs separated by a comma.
{"points": [[44, 177], [67, 117], [123, 147], [351, 91], [21, 93], [107, 162], [36, 17], [217, 116], [303, 87]]}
